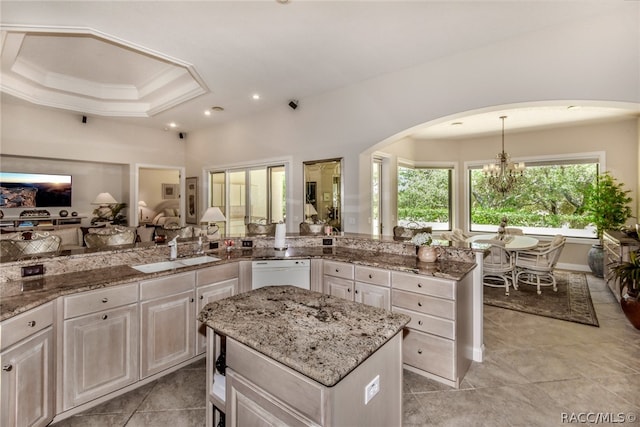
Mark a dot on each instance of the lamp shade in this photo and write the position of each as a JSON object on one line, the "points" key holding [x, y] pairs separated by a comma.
{"points": [[309, 210], [213, 214], [104, 199], [142, 204]]}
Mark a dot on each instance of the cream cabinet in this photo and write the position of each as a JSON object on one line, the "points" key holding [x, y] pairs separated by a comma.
{"points": [[255, 399], [438, 339], [212, 284], [100, 343], [365, 285], [167, 313], [27, 377]]}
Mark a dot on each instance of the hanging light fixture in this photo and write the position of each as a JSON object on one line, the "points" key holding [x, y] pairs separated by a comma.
{"points": [[503, 174]]}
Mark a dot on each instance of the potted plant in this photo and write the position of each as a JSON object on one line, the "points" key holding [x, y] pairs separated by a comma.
{"points": [[628, 273], [426, 253], [606, 203]]}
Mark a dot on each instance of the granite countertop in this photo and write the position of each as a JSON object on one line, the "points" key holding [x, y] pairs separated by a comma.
{"points": [[320, 336], [19, 296]]}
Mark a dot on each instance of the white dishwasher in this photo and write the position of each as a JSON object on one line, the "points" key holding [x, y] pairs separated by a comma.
{"points": [[294, 272]]}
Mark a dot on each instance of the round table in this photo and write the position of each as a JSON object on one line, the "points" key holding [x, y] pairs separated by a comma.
{"points": [[511, 242]]}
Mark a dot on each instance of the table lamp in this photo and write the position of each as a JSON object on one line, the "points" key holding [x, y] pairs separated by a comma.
{"points": [[309, 211], [213, 214], [141, 205]]}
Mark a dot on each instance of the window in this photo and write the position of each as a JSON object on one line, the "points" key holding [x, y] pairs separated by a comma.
{"points": [[424, 196], [256, 194], [547, 200]]}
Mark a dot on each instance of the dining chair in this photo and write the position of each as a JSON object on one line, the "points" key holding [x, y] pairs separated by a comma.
{"points": [[535, 266], [498, 266]]}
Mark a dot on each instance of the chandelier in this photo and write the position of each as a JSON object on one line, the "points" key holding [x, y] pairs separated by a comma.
{"points": [[503, 174]]}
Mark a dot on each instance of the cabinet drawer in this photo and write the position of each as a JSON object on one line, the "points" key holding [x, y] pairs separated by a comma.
{"points": [[298, 391], [424, 285], [429, 353], [372, 275], [424, 304], [338, 269], [21, 326], [430, 324], [169, 285], [215, 274], [101, 299]]}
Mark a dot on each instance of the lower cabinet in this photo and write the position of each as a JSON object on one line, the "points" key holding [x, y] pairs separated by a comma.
{"points": [[212, 284], [167, 313], [438, 339], [371, 285], [100, 354], [27, 381]]}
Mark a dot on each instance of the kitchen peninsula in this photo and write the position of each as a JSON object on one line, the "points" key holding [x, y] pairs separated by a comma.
{"points": [[302, 357], [79, 295]]}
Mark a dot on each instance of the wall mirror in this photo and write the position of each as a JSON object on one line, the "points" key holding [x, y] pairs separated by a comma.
{"points": [[323, 192]]}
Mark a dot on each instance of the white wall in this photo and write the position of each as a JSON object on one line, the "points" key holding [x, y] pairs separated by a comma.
{"points": [[593, 60]]}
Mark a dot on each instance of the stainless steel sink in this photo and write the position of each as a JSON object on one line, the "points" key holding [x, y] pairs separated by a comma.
{"points": [[170, 265]]}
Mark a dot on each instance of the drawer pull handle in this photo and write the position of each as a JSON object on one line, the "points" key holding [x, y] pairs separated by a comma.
{"points": [[419, 351], [105, 300], [193, 299], [419, 285], [104, 317], [7, 368], [419, 304], [31, 323], [371, 276], [337, 270], [201, 296], [420, 322]]}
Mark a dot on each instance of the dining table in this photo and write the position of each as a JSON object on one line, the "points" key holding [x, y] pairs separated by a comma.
{"points": [[511, 242]]}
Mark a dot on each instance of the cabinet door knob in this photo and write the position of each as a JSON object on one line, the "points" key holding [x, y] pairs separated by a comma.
{"points": [[201, 296], [420, 322], [371, 276], [419, 351], [337, 270], [105, 299], [7, 368], [349, 290], [419, 304], [193, 299], [356, 291], [104, 317], [31, 323], [419, 285]]}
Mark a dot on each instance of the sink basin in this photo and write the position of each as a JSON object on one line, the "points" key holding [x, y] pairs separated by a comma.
{"points": [[170, 265], [158, 266], [198, 260]]}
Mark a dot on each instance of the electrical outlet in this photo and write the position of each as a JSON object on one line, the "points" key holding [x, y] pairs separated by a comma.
{"points": [[247, 243], [213, 245], [32, 270], [371, 389], [327, 242]]}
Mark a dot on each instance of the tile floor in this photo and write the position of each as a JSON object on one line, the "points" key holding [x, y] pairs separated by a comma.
{"points": [[537, 372]]}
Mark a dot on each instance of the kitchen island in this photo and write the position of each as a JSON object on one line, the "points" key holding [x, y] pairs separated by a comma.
{"points": [[304, 358]]}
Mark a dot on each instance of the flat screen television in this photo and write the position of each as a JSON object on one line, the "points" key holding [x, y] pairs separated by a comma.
{"points": [[34, 190]]}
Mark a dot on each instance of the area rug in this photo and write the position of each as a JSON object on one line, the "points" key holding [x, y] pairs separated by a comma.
{"points": [[572, 302]]}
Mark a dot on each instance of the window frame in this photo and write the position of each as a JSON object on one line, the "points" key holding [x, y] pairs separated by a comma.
{"points": [[453, 173], [597, 157]]}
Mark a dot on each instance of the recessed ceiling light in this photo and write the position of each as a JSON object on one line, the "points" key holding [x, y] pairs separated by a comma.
{"points": [[173, 125], [256, 96], [207, 112]]}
